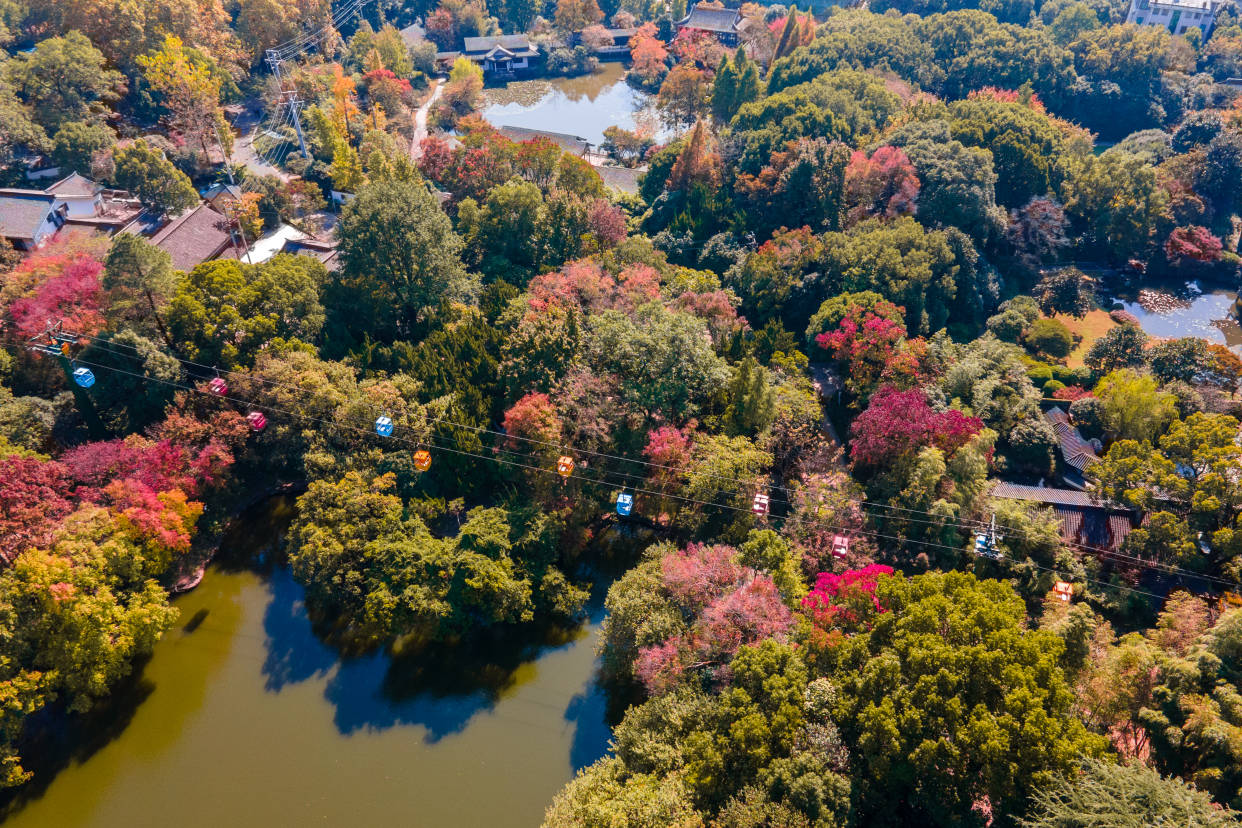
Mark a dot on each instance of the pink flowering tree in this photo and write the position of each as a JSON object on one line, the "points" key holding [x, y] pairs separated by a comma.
{"points": [[898, 424], [607, 222], [534, 418], [725, 605], [1193, 244], [884, 185], [71, 292], [847, 599]]}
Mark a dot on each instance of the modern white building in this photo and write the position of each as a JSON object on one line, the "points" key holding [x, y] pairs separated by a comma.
{"points": [[1175, 15]]}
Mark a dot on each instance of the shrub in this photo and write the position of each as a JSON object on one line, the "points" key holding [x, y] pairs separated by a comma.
{"points": [[1048, 336]]}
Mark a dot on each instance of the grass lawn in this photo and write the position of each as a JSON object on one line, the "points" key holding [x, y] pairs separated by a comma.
{"points": [[1091, 327]]}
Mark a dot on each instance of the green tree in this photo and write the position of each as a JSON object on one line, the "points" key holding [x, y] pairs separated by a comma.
{"points": [[399, 259], [18, 131], [1121, 347], [1068, 291], [151, 177], [64, 79], [1048, 336], [224, 311], [140, 280], [1105, 795], [752, 401], [1116, 202], [78, 143], [663, 359], [958, 183], [951, 698], [379, 574], [1133, 406], [1187, 359]]}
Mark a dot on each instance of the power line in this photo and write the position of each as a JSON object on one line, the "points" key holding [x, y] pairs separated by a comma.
{"points": [[965, 524], [972, 526], [432, 443]]}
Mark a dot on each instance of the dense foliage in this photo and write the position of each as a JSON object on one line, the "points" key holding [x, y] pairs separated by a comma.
{"points": [[864, 274]]}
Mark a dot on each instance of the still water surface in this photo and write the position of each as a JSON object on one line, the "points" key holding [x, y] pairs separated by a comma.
{"points": [[1185, 309], [244, 718], [583, 106]]}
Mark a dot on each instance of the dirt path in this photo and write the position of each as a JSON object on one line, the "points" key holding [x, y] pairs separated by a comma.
{"points": [[420, 122]]}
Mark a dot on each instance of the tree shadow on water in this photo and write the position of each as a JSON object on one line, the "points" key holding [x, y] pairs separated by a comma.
{"points": [[53, 739], [293, 653], [440, 687]]}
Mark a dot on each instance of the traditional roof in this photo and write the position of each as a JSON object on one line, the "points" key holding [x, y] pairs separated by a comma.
{"points": [[324, 251], [1043, 494], [573, 144], [74, 185], [723, 21], [1083, 521], [221, 188], [23, 212], [195, 236], [517, 44], [624, 179], [413, 34], [1077, 451]]}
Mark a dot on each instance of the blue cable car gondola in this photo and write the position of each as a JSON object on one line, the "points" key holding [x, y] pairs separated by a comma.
{"points": [[83, 377], [625, 504], [383, 426]]}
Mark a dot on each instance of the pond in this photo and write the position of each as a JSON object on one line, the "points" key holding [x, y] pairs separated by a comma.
{"points": [[1184, 309], [242, 717], [584, 106]]}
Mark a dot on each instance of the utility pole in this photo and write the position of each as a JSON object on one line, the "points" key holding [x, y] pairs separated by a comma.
{"points": [[290, 97], [294, 103]]}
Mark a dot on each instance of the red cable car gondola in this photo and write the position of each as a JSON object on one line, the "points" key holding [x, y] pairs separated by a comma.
{"points": [[257, 421]]}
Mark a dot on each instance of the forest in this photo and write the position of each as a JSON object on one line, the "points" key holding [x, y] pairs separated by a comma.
{"points": [[825, 387]]}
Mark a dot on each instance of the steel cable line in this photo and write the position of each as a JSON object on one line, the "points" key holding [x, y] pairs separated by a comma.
{"points": [[329, 424], [743, 486], [300, 42]]}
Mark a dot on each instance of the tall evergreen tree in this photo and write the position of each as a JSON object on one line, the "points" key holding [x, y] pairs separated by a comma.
{"points": [[724, 92]]}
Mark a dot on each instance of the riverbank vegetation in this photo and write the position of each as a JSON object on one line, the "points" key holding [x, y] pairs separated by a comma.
{"points": [[917, 551]]}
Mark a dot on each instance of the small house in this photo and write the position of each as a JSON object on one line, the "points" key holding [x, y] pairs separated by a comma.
{"points": [[502, 55], [1077, 452], [28, 218], [223, 197], [723, 24], [198, 235], [1083, 520]]}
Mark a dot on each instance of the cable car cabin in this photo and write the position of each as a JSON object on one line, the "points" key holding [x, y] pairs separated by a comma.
{"points": [[760, 505], [218, 387], [83, 377], [257, 421], [1064, 590], [625, 504], [840, 546], [383, 426], [565, 466], [422, 460]]}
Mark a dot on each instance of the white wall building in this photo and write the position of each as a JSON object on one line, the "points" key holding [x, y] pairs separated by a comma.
{"points": [[1175, 15]]}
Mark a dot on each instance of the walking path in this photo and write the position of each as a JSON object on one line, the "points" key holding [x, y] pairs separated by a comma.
{"points": [[420, 122]]}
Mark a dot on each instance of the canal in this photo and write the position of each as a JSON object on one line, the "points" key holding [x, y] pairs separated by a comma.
{"points": [[584, 106], [242, 717]]}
